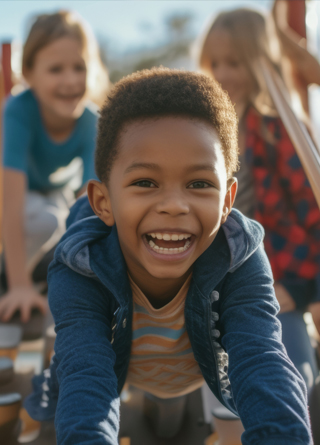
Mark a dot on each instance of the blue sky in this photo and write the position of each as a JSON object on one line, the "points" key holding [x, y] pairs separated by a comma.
{"points": [[124, 24]]}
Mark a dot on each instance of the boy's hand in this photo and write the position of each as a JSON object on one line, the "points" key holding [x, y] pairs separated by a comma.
{"points": [[23, 299], [314, 309], [285, 300]]}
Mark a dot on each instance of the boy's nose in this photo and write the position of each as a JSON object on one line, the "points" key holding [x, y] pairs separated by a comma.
{"points": [[173, 204]]}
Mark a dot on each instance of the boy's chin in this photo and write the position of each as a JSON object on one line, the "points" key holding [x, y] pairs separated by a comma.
{"points": [[168, 273]]}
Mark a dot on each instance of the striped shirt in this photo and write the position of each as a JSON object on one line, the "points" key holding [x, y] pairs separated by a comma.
{"points": [[161, 361]]}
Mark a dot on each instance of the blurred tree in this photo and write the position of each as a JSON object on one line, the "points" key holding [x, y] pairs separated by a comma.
{"points": [[172, 52], [179, 25]]}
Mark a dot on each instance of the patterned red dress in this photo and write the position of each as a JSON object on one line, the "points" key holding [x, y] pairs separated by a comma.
{"points": [[285, 206]]}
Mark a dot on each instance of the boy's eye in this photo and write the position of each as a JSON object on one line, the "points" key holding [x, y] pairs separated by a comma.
{"points": [[199, 185], [144, 183]]}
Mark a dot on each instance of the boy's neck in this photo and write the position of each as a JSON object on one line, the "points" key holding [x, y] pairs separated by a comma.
{"points": [[159, 291]]}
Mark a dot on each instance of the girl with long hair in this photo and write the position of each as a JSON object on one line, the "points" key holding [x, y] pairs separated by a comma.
{"points": [[272, 188], [49, 141]]}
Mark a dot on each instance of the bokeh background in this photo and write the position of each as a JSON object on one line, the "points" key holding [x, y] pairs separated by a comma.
{"points": [[140, 34], [132, 34]]}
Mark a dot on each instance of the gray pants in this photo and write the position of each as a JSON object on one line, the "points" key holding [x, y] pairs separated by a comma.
{"points": [[45, 217], [166, 415]]}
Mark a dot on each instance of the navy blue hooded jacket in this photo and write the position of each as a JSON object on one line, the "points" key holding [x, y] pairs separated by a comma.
{"points": [[230, 316]]}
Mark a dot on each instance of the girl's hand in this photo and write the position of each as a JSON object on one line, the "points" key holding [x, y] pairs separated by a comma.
{"points": [[22, 299], [285, 300], [314, 309], [305, 66]]}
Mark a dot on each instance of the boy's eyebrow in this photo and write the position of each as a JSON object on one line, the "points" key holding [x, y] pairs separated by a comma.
{"points": [[138, 165], [197, 167], [151, 166]]}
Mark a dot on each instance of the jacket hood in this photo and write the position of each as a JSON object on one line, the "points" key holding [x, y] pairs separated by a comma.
{"points": [[242, 235]]}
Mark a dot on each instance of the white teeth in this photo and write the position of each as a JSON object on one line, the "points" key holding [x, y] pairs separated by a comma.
{"points": [[168, 237], [171, 250]]}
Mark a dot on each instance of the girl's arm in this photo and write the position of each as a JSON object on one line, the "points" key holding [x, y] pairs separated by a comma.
{"points": [[13, 226], [21, 295], [305, 65]]}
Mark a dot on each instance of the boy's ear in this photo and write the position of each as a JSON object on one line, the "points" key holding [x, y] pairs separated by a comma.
{"points": [[100, 202], [229, 198]]}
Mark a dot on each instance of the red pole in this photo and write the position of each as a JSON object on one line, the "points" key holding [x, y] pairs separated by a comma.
{"points": [[6, 67]]}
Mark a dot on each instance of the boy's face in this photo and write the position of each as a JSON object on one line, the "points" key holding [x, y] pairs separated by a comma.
{"points": [[167, 195]]}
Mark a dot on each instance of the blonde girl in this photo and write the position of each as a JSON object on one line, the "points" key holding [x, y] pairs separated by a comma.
{"points": [[272, 184], [49, 139]]}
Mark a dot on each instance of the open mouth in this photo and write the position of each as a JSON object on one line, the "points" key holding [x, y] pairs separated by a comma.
{"points": [[169, 243]]}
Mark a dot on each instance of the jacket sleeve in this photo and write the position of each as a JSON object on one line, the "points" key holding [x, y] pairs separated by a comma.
{"points": [[269, 393], [88, 403]]}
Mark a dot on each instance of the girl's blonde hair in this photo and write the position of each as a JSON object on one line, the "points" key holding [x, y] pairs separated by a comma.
{"points": [[253, 36], [50, 27]]}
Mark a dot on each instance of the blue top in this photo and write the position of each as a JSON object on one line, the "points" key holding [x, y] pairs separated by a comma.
{"points": [[28, 147], [231, 291]]}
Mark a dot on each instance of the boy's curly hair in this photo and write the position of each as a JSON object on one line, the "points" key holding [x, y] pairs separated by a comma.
{"points": [[160, 92]]}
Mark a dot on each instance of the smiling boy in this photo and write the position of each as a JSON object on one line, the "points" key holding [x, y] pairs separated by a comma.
{"points": [[171, 183], [166, 287]]}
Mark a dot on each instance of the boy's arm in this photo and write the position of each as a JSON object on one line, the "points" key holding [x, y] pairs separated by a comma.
{"points": [[269, 393], [88, 404]]}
